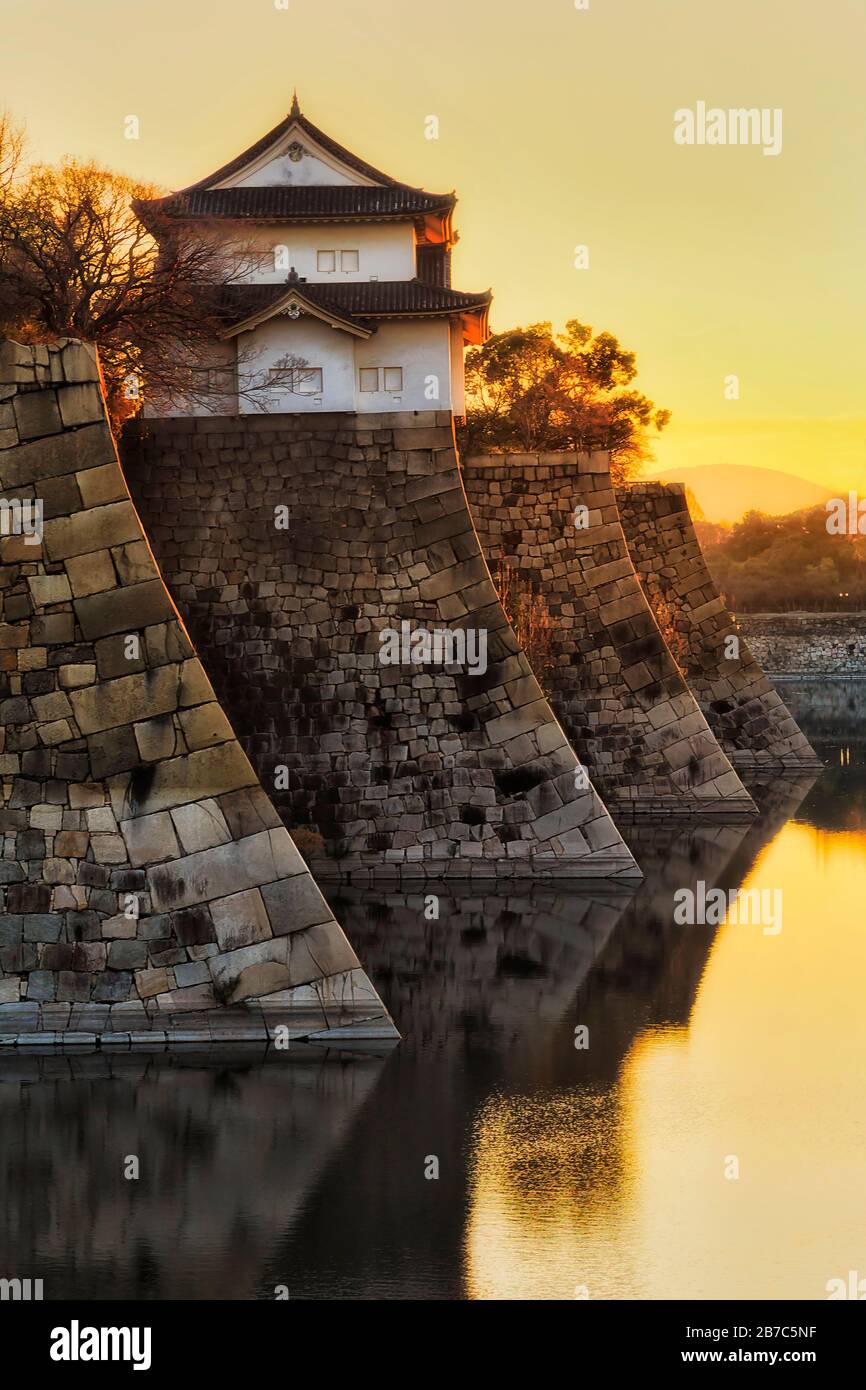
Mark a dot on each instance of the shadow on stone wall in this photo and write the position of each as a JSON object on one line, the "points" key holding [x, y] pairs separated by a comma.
{"points": [[415, 769]]}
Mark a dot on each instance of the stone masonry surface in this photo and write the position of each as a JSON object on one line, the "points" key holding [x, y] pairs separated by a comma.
{"points": [[405, 770], [807, 644], [613, 684], [743, 708], [146, 882]]}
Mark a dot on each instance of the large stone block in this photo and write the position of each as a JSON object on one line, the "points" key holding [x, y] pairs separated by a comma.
{"points": [[201, 826], [91, 530], [111, 703], [219, 872], [177, 781], [294, 903], [151, 839], [241, 919], [79, 405], [125, 609], [36, 414], [90, 447]]}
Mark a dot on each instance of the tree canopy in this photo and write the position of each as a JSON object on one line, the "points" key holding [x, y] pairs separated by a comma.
{"points": [[774, 563], [530, 390]]}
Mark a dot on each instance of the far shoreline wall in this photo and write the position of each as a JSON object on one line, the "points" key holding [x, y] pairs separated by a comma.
{"points": [[810, 645]]}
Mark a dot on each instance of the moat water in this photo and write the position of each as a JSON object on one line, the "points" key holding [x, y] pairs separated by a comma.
{"points": [[707, 1143]]}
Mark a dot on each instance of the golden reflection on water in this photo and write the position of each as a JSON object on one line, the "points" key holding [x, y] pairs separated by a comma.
{"points": [[622, 1188]]}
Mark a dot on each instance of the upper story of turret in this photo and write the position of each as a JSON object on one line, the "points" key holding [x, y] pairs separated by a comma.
{"points": [[329, 239]]}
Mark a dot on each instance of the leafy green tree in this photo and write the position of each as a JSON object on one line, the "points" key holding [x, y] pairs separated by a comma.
{"points": [[530, 390], [778, 563]]}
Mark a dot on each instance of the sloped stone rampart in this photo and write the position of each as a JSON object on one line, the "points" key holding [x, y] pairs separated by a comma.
{"points": [[550, 524], [414, 770], [146, 883], [742, 706]]}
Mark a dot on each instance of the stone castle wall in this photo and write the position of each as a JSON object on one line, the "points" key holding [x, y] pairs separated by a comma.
{"points": [[403, 769], [808, 644], [742, 707], [145, 876], [613, 684]]}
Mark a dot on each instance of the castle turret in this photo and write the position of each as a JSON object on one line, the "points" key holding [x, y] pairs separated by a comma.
{"points": [[341, 299]]}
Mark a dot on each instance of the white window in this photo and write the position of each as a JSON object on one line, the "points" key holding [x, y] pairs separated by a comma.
{"points": [[348, 260], [301, 381], [382, 379], [326, 261]]}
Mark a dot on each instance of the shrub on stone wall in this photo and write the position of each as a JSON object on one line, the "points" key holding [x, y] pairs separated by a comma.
{"points": [[529, 615], [666, 618]]}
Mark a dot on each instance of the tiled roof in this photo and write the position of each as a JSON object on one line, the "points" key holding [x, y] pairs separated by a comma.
{"points": [[296, 202], [389, 198], [364, 299], [299, 121]]}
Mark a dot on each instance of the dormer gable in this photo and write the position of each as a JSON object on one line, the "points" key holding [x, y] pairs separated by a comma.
{"points": [[296, 153]]}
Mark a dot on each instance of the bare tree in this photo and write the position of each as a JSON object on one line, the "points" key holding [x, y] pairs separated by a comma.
{"points": [[76, 261], [11, 152]]}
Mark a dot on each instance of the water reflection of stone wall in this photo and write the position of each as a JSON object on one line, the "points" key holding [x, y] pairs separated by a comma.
{"points": [[661, 962], [314, 1175], [228, 1155], [489, 963], [561, 1178], [829, 710], [646, 971]]}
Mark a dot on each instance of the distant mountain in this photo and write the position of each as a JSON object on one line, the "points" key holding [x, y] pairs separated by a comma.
{"points": [[725, 491]]}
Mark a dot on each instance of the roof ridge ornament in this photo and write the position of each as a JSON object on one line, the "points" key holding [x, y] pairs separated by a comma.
{"points": [[295, 108]]}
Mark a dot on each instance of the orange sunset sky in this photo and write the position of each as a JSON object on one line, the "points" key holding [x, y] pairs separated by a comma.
{"points": [[556, 128]]}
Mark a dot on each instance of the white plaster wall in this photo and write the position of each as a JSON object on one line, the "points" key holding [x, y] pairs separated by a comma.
{"points": [[422, 348], [386, 252], [282, 170], [318, 345], [275, 167], [458, 381]]}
